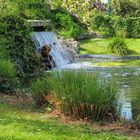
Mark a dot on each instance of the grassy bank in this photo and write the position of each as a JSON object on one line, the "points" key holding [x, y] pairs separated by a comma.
{"points": [[99, 46], [130, 63], [18, 124]]}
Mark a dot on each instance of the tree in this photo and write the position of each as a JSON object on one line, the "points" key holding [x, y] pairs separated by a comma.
{"points": [[79, 8], [124, 7]]}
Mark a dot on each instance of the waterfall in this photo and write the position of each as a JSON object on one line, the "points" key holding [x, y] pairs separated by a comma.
{"points": [[61, 54]]}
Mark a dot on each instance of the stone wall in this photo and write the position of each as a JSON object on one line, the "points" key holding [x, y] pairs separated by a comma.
{"points": [[40, 25], [72, 45]]}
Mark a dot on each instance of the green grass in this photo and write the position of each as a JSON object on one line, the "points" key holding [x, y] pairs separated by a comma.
{"points": [[118, 63], [7, 69], [17, 124], [39, 89], [99, 46]]}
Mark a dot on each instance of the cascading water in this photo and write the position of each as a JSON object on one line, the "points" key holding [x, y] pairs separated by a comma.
{"points": [[61, 55], [125, 76]]}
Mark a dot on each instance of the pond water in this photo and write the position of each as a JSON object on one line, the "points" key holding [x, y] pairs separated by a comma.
{"points": [[127, 77]]}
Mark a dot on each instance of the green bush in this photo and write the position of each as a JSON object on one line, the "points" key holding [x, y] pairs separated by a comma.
{"points": [[119, 26], [85, 95], [7, 76], [4, 53], [115, 25], [66, 24], [31, 9], [103, 24], [133, 27], [34, 9], [7, 69], [125, 8], [39, 89], [20, 47], [118, 46], [63, 22]]}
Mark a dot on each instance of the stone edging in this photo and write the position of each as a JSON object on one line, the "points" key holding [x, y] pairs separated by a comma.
{"points": [[105, 56]]}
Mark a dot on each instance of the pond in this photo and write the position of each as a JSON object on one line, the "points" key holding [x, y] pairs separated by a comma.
{"points": [[126, 73]]}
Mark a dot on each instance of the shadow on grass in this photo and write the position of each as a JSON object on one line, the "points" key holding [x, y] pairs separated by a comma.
{"points": [[131, 52], [17, 124], [87, 51], [13, 121]]}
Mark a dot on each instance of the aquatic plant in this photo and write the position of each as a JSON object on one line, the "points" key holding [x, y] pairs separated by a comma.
{"points": [[85, 95]]}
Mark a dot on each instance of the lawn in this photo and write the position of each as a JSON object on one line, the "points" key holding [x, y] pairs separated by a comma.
{"points": [[19, 124], [99, 46], [132, 63]]}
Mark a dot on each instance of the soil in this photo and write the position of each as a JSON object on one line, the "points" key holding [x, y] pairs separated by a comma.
{"points": [[16, 100], [117, 127]]}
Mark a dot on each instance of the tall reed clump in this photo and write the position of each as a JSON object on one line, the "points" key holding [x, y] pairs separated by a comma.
{"points": [[85, 95], [39, 89], [7, 70], [118, 46]]}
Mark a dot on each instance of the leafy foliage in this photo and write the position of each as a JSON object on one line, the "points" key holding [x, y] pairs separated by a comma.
{"points": [[125, 8], [103, 24], [66, 24], [133, 27], [20, 47], [79, 8], [31, 9], [39, 89], [7, 69], [4, 53], [115, 25], [7, 76]]}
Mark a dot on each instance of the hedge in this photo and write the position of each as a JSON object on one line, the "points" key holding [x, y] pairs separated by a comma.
{"points": [[110, 26]]}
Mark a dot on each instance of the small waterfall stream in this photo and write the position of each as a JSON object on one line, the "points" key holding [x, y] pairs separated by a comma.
{"points": [[61, 55], [125, 76]]}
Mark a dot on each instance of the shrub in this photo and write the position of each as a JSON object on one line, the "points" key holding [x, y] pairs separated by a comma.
{"points": [[7, 69], [34, 9], [7, 76], [31, 9], [133, 27], [118, 46], [4, 54], [20, 47], [137, 122], [119, 26], [115, 25], [39, 89], [85, 95], [66, 24], [121, 7], [103, 24]]}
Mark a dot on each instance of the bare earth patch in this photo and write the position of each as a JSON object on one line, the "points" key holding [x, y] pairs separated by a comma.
{"points": [[16, 100]]}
